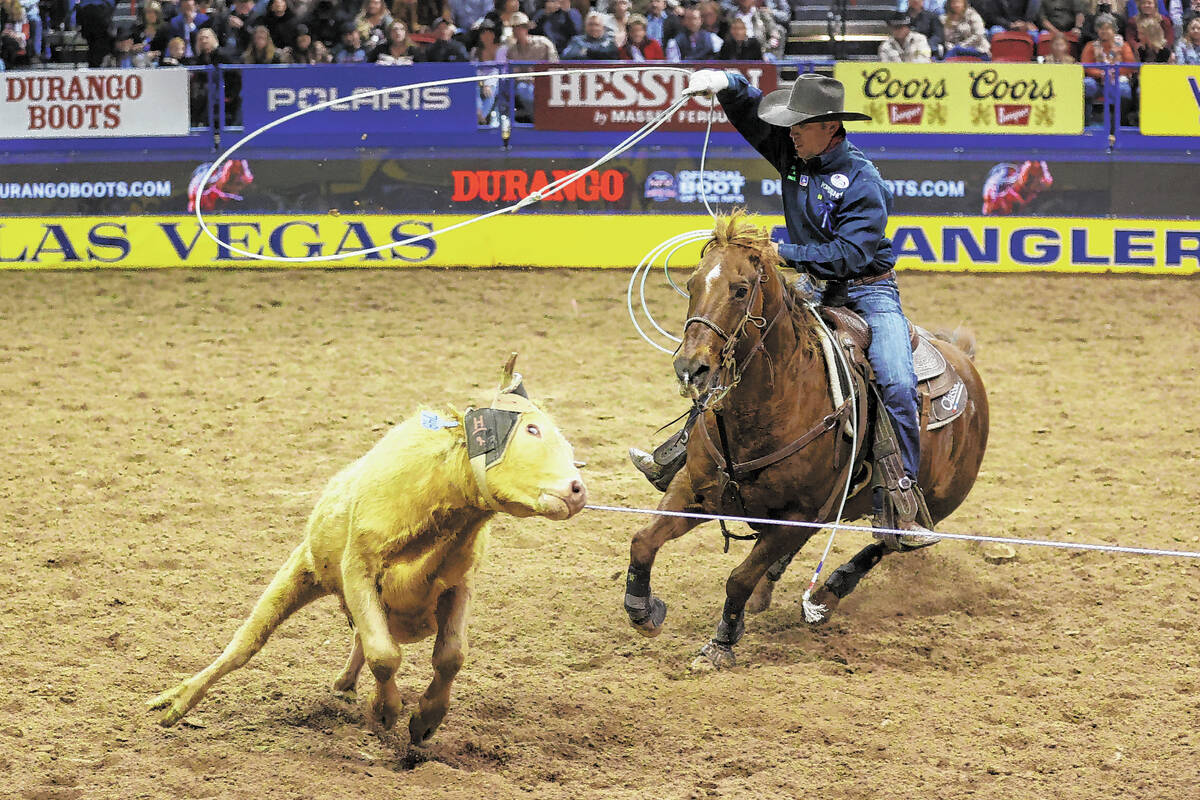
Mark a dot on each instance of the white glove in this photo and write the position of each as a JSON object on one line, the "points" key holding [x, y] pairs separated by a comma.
{"points": [[706, 81]]}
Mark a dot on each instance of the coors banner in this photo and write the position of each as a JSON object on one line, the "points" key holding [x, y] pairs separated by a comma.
{"points": [[610, 99], [964, 98]]}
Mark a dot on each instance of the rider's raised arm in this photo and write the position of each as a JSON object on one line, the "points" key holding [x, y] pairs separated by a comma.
{"points": [[740, 101]]}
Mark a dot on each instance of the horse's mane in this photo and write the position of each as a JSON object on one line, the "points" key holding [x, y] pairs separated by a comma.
{"points": [[739, 229]]}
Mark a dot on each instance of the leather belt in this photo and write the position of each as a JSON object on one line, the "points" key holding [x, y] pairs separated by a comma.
{"points": [[873, 279]]}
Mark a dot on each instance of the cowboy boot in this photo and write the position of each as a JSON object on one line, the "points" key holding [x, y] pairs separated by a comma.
{"points": [[659, 475]]}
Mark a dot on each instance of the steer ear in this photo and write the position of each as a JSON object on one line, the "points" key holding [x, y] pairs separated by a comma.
{"points": [[510, 381]]}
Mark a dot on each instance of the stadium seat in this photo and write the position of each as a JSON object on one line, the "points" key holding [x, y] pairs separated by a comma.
{"points": [[1012, 46]]}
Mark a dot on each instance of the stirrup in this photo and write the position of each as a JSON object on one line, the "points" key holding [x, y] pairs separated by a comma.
{"points": [[659, 475]]}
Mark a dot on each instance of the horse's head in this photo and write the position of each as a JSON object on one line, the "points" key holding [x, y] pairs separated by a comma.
{"points": [[729, 296], [523, 464]]}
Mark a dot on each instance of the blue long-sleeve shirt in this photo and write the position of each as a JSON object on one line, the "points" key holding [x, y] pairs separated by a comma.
{"points": [[836, 205]]}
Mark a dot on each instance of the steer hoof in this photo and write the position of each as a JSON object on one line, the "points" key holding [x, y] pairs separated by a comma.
{"points": [[647, 616], [170, 698], [385, 713], [714, 656]]}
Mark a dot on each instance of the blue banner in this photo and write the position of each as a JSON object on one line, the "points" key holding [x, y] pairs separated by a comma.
{"points": [[271, 92]]}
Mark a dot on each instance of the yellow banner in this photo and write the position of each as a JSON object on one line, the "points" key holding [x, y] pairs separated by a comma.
{"points": [[968, 97], [1170, 100], [975, 244]]}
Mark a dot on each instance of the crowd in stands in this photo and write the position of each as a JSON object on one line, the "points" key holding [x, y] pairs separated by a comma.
{"points": [[205, 32]]}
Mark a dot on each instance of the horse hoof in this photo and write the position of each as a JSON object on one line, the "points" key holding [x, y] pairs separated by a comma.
{"points": [[648, 619], [822, 605], [714, 656], [760, 599]]}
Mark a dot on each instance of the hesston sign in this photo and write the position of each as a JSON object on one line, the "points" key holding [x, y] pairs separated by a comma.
{"points": [[625, 100]]}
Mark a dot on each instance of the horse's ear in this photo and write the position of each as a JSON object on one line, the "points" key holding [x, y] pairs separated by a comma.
{"points": [[510, 381]]}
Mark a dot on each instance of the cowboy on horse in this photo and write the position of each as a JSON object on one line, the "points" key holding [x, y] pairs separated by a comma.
{"points": [[836, 208]]}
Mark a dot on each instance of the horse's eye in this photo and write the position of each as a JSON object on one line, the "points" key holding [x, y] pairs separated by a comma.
{"points": [[740, 292], [533, 430]]}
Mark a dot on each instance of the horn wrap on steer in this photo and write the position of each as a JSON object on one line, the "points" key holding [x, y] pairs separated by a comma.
{"points": [[490, 429]]}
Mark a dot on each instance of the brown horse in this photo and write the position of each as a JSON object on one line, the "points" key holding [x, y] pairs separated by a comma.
{"points": [[751, 358]]}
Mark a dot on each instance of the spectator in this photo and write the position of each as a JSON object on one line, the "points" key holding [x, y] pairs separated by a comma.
{"points": [[350, 50], [904, 44], [262, 48], [1187, 49], [445, 47], [1152, 43], [662, 23], [928, 24], [124, 55], [238, 26], [418, 15], [373, 22], [186, 23], [760, 26], [1005, 15], [14, 35], [468, 12], [1088, 32], [325, 22], [308, 50], [173, 54], [739, 46], [217, 20], [1148, 10], [692, 43], [712, 20], [1061, 15], [524, 46], [617, 21], [502, 15], [280, 21], [638, 46], [558, 22], [398, 49], [208, 54], [151, 32], [33, 18], [595, 43], [1060, 50], [781, 12], [94, 18], [1189, 14], [1108, 48], [964, 31], [489, 51]]}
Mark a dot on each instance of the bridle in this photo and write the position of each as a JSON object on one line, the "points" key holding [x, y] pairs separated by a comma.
{"points": [[728, 362]]}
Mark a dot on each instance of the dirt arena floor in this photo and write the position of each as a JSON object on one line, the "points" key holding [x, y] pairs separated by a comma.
{"points": [[165, 433]]}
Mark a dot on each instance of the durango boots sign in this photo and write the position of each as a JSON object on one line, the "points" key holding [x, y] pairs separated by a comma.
{"points": [[625, 100], [964, 98], [51, 105]]}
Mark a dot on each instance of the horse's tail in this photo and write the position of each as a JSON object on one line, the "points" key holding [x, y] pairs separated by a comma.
{"points": [[960, 337]]}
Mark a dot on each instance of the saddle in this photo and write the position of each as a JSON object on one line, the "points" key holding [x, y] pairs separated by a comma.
{"points": [[943, 393]]}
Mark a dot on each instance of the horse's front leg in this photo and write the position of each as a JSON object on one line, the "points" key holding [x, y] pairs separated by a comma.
{"points": [[647, 612], [773, 544], [843, 580]]}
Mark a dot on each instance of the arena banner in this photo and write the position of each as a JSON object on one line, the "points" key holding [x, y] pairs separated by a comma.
{"points": [[45, 104], [649, 184], [1170, 100], [971, 97], [625, 100], [269, 93], [976, 244]]}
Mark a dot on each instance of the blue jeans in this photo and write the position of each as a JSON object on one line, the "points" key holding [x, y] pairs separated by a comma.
{"points": [[891, 358]]}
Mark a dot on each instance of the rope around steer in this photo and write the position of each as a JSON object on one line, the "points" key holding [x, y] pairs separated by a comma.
{"points": [[1106, 548], [536, 196]]}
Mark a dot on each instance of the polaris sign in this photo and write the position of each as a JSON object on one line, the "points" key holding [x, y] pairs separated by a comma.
{"points": [[270, 93]]}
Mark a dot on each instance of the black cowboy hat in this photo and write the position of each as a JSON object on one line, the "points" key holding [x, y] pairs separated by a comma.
{"points": [[812, 98]]}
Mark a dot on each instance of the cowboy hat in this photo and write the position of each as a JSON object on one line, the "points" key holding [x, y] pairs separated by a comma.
{"points": [[812, 98]]}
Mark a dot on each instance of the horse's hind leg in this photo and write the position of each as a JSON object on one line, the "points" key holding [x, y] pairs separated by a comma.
{"points": [[843, 580], [760, 598], [293, 587]]}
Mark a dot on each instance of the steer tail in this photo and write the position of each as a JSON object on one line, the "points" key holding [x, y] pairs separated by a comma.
{"points": [[961, 337]]}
